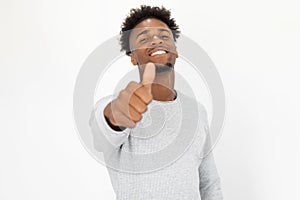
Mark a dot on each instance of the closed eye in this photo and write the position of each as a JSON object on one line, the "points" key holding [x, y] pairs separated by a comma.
{"points": [[143, 40], [164, 37]]}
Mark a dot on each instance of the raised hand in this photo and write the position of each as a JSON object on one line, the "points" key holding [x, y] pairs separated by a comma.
{"points": [[127, 109]]}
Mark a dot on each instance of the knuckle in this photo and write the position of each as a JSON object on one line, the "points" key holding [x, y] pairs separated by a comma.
{"points": [[122, 94], [114, 105], [136, 118], [131, 125], [141, 109], [140, 89], [117, 103], [116, 116], [138, 109], [145, 96], [132, 84], [139, 117], [147, 99], [144, 109]]}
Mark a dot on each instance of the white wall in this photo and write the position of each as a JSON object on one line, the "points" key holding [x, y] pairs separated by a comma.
{"points": [[254, 44]]}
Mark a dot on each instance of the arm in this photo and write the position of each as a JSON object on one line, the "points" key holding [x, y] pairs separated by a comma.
{"points": [[105, 138], [210, 184]]}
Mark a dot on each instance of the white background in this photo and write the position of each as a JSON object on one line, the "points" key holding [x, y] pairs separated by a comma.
{"points": [[254, 45]]}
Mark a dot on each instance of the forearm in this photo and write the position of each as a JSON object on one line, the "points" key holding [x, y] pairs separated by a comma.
{"points": [[105, 138], [210, 183]]}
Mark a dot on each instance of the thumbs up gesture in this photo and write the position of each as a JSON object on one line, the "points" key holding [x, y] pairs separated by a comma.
{"points": [[127, 109]]}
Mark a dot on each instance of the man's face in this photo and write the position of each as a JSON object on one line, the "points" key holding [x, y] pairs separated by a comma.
{"points": [[152, 41]]}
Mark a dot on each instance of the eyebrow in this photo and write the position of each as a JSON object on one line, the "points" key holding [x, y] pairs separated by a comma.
{"points": [[146, 31], [141, 33]]}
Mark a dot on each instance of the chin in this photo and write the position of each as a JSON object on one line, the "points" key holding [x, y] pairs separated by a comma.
{"points": [[159, 68]]}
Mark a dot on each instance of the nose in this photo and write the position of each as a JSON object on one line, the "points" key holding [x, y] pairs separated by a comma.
{"points": [[156, 40]]}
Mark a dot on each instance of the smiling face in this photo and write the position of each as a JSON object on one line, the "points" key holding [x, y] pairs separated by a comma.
{"points": [[152, 41]]}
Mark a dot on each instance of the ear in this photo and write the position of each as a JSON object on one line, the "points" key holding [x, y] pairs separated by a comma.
{"points": [[133, 59], [176, 51]]}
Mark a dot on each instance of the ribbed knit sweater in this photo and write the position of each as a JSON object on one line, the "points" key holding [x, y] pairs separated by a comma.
{"points": [[167, 155]]}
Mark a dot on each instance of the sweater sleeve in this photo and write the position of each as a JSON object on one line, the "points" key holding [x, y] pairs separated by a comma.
{"points": [[105, 139], [210, 183]]}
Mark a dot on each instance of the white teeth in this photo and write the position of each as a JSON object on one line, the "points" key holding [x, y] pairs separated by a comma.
{"points": [[158, 52]]}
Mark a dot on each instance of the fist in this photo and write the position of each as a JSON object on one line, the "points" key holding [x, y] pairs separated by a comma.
{"points": [[127, 109]]}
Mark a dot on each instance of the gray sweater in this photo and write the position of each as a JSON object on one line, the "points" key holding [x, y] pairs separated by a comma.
{"points": [[167, 155]]}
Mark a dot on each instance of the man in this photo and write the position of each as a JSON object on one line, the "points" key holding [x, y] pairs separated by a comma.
{"points": [[151, 116]]}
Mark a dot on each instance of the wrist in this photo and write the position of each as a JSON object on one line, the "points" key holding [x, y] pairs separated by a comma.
{"points": [[116, 128]]}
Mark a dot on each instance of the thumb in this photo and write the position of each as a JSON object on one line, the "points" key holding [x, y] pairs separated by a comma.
{"points": [[148, 76]]}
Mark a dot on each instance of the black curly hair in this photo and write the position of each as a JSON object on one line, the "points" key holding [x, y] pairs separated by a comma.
{"points": [[139, 14]]}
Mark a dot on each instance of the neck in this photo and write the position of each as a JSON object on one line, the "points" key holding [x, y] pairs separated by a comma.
{"points": [[163, 86], [162, 93]]}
